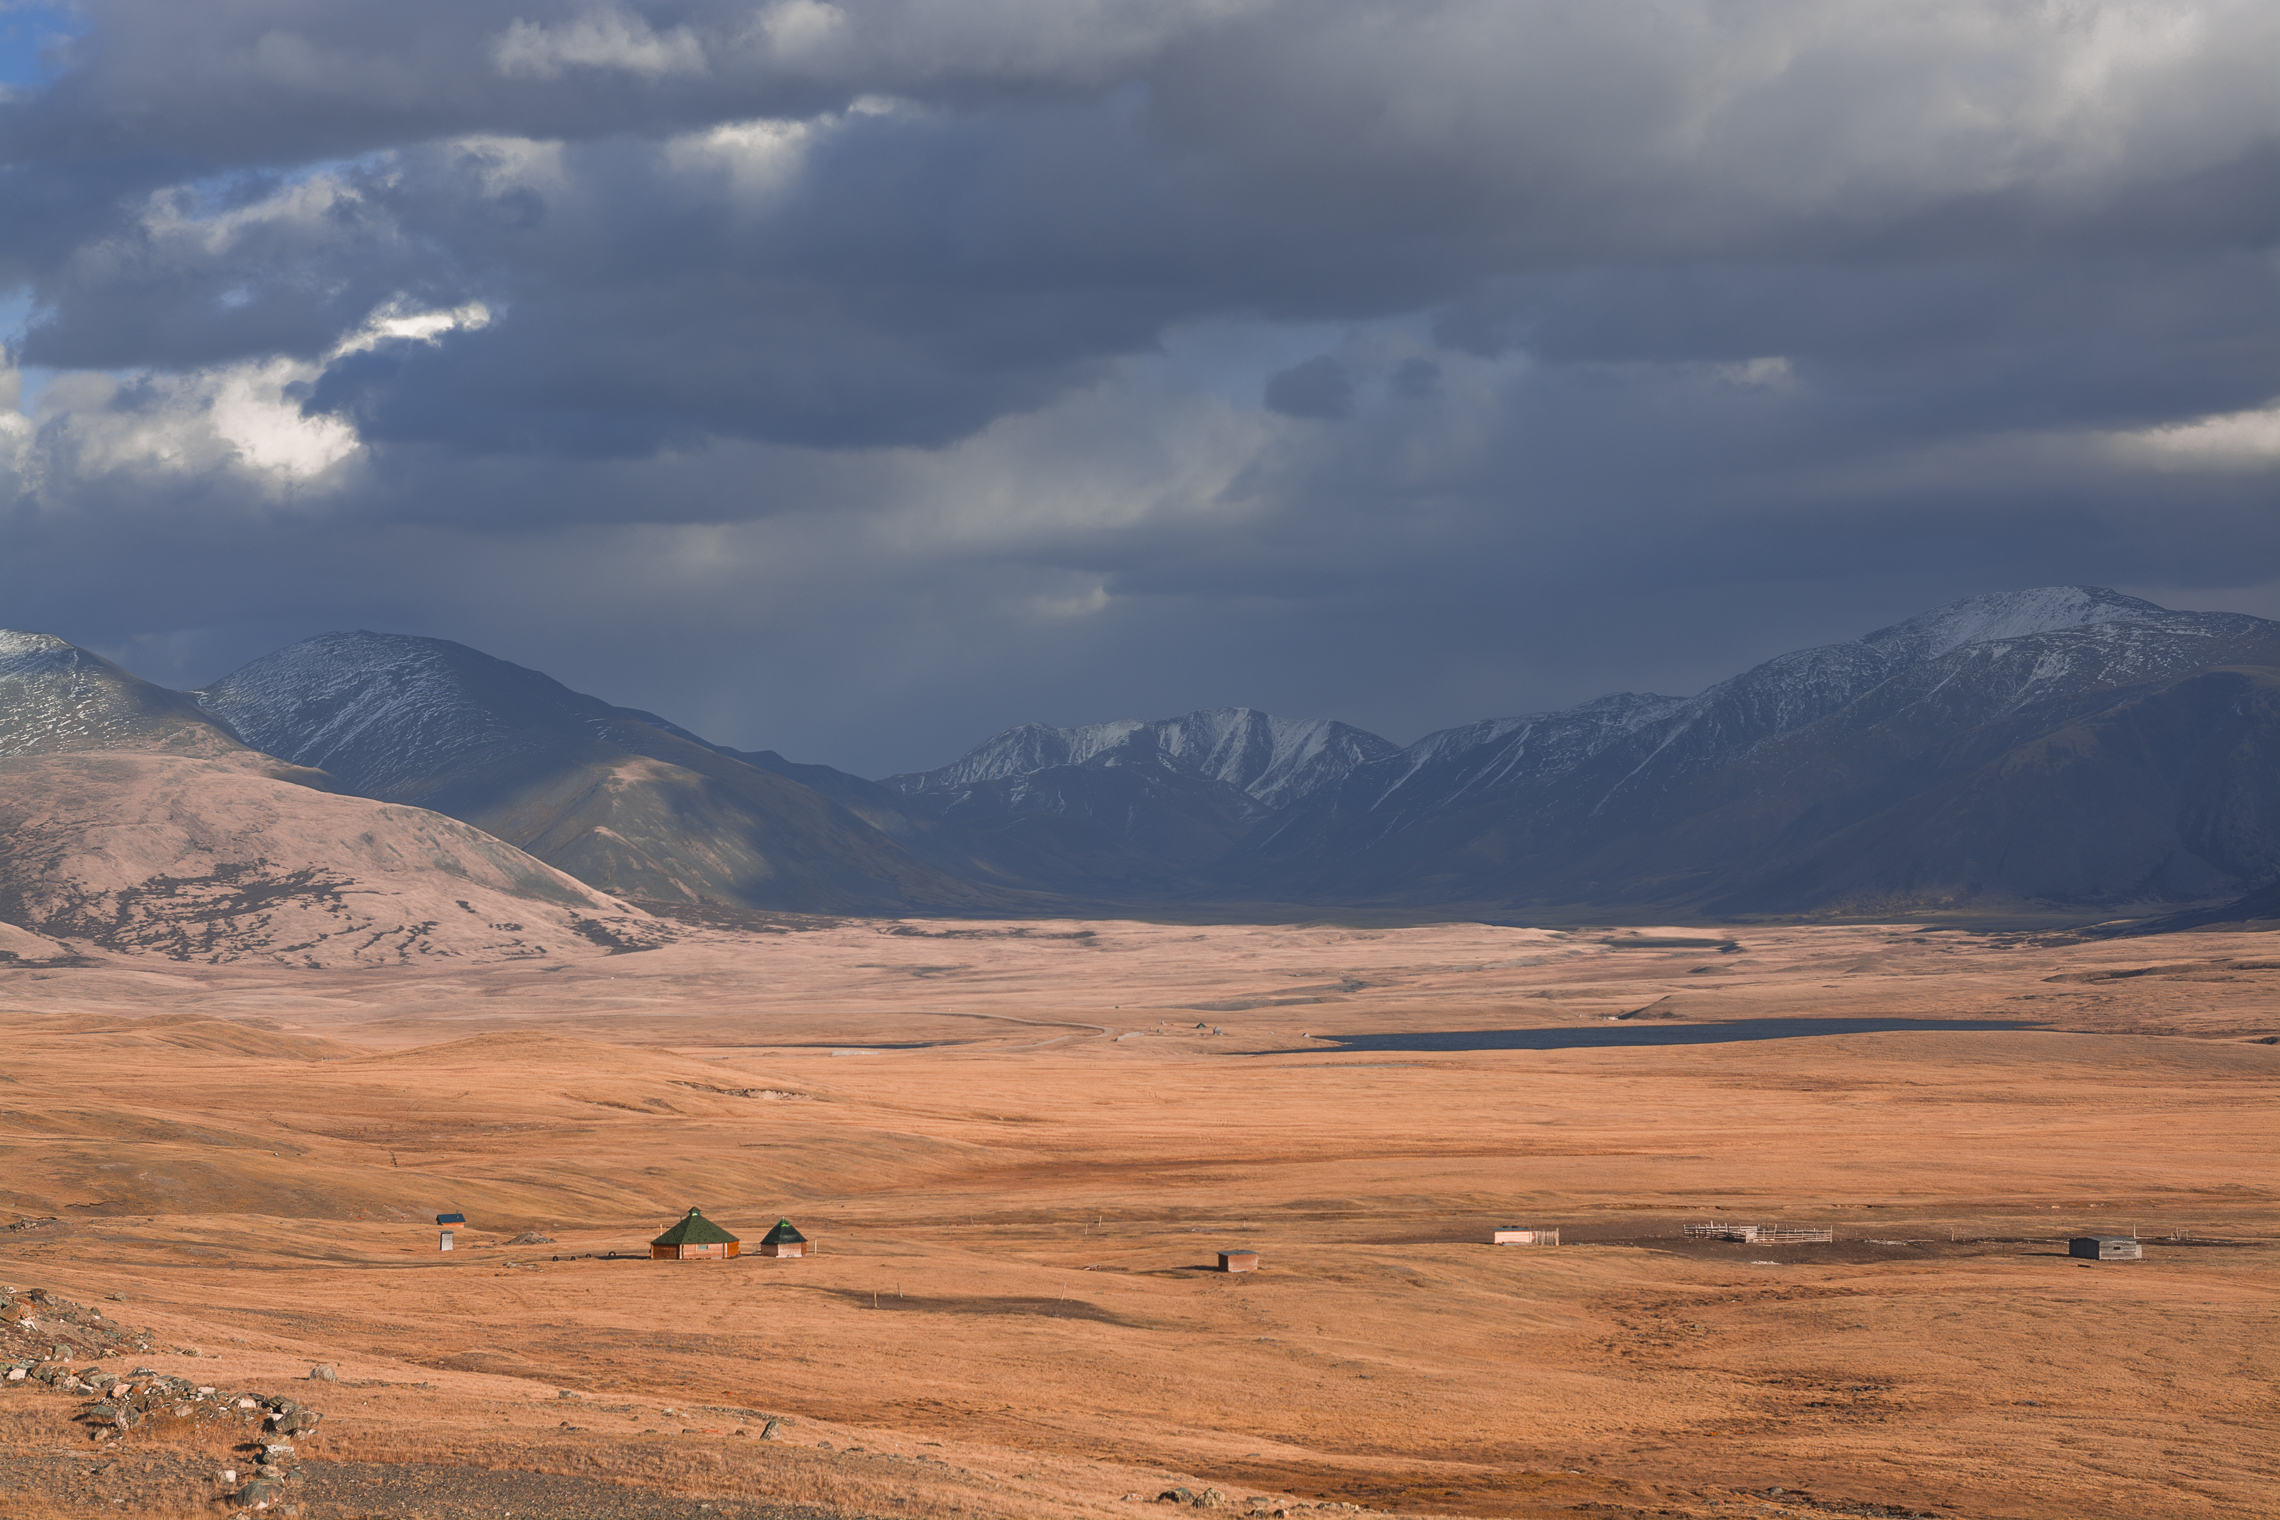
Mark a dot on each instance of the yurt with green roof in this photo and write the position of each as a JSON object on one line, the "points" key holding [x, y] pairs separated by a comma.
{"points": [[783, 1240], [695, 1238]]}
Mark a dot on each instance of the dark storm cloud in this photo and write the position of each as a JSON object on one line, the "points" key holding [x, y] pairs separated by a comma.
{"points": [[853, 379], [1318, 387]]}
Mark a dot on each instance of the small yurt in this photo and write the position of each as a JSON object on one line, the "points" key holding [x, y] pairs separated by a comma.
{"points": [[783, 1240], [695, 1238]]}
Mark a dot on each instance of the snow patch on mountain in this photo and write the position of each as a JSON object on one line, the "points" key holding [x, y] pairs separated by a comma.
{"points": [[1693, 735], [1459, 763], [24, 653], [375, 708], [386, 712], [1269, 759], [56, 697], [2003, 615]]}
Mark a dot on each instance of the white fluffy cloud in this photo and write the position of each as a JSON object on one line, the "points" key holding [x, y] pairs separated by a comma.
{"points": [[603, 38]]}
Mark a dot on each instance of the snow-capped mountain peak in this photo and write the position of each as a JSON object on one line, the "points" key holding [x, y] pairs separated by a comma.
{"points": [[2003, 615], [1272, 760], [56, 697], [385, 711]]}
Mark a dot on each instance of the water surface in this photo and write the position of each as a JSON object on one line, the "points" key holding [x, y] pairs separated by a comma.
{"points": [[1612, 1034]]}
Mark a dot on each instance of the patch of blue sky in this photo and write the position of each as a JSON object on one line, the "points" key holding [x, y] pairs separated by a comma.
{"points": [[15, 315], [33, 38]]}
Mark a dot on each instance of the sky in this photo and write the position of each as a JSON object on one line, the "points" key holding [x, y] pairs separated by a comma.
{"points": [[859, 379]]}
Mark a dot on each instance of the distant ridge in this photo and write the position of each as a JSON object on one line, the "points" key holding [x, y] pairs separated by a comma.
{"points": [[1132, 807], [1274, 761]]}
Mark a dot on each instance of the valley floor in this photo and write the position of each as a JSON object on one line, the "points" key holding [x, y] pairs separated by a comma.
{"points": [[1018, 1148]]}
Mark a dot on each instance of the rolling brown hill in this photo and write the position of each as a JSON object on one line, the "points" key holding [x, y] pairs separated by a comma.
{"points": [[209, 860], [130, 820]]}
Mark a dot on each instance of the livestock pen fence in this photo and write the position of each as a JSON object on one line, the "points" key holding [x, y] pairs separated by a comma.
{"points": [[1761, 1234]]}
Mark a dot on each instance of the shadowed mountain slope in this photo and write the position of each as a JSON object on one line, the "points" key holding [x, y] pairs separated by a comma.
{"points": [[1128, 807], [613, 796], [2059, 745]]}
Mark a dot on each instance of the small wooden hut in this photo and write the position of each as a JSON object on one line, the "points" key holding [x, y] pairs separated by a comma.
{"points": [[2105, 1248], [783, 1240], [695, 1238], [1523, 1235], [1238, 1261]]}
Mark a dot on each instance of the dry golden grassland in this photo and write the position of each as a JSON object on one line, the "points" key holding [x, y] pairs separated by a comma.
{"points": [[1019, 1145]]}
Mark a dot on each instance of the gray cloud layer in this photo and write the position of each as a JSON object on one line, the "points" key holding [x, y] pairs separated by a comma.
{"points": [[856, 379]]}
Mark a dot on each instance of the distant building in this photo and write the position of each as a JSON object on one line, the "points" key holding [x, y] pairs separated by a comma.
{"points": [[695, 1238], [1238, 1261], [2105, 1247], [451, 1219], [783, 1240], [1522, 1235]]}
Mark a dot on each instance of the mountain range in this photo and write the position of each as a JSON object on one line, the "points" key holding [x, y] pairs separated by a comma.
{"points": [[2066, 748]]}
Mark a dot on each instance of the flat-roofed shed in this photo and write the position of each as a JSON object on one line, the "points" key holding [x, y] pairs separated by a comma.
{"points": [[2105, 1247], [695, 1238], [783, 1240], [1238, 1261]]}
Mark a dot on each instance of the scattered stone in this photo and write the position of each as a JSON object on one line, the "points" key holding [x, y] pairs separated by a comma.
{"points": [[1176, 1496], [531, 1238], [1210, 1498], [768, 1432], [323, 1373]]}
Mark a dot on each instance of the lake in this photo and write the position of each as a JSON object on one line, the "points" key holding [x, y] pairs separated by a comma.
{"points": [[1608, 1035]]}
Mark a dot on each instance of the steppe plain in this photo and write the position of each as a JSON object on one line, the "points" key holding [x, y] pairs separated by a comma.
{"points": [[1017, 1146]]}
